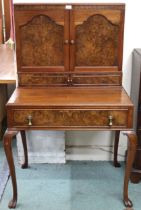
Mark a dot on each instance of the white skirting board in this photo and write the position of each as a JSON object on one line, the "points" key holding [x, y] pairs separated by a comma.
{"points": [[94, 145], [94, 153]]}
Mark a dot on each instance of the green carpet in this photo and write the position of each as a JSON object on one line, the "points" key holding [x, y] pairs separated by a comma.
{"points": [[73, 186]]}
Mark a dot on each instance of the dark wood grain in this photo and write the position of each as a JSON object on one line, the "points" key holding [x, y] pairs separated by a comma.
{"points": [[59, 79], [42, 40], [42, 79], [70, 118], [102, 79], [101, 48]]}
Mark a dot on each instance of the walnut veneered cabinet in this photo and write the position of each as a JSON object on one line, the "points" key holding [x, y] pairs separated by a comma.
{"points": [[69, 65], [67, 46]]}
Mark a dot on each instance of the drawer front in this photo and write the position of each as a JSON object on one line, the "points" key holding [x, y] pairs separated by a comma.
{"points": [[70, 118], [93, 80], [42, 79]]}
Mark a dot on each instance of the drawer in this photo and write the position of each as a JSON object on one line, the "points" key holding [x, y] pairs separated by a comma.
{"points": [[42, 79], [96, 79], [70, 118]]}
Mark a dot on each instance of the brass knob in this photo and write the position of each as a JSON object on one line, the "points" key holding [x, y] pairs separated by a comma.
{"points": [[72, 41], [66, 41], [110, 120], [29, 118]]}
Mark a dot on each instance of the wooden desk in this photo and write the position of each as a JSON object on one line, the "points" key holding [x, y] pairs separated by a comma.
{"points": [[68, 109], [7, 76], [69, 62]]}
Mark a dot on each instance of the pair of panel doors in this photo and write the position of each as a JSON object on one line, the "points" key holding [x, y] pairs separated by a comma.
{"points": [[69, 37]]}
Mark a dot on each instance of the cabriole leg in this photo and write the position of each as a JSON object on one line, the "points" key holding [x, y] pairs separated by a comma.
{"points": [[116, 163], [132, 143], [8, 137], [23, 136]]}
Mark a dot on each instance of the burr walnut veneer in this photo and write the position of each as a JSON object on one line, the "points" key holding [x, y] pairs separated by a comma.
{"points": [[69, 65]]}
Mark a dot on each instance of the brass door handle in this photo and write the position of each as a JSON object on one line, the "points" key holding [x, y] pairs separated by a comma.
{"points": [[72, 41], [110, 120], [69, 81], [29, 118], [66, 41]]}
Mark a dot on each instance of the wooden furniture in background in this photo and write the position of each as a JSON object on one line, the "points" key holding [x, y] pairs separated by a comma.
{"points": [[136, 98], [7, 18], [69, 63], [1, 37], [7, 76], [7, 65]]}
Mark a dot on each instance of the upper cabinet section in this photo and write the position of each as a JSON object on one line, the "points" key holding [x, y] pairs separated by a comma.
{"points": [[70, 38]]}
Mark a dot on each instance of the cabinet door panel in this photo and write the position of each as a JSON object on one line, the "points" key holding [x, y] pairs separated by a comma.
{"points": [[41, 40], [96, 38]]}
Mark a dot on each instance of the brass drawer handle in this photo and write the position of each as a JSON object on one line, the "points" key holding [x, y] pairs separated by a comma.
{"points": [[66, 41], [29, 118], [110, 120]]}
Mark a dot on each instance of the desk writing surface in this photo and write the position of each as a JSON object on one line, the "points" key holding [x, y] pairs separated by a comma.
{"points": [[7, 65], [70, 96]]}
